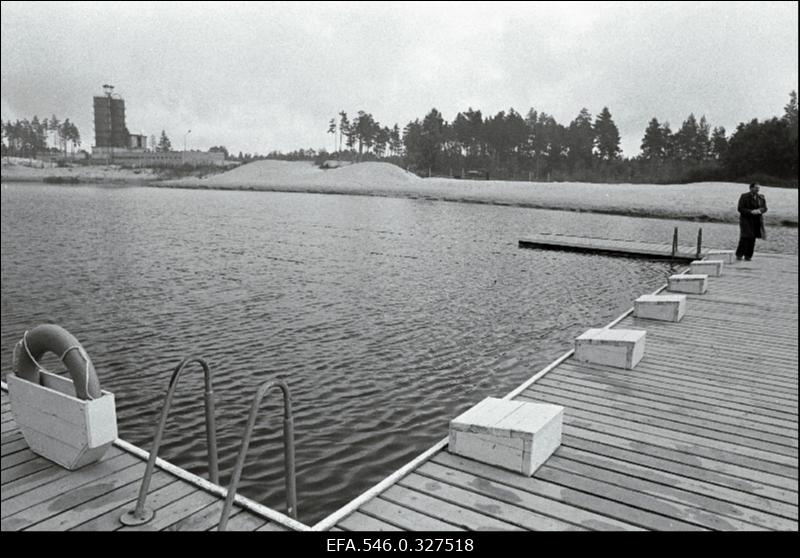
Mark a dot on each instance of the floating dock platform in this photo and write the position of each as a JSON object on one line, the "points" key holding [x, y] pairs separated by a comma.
{"points": [[701, 435], [611, 247]]}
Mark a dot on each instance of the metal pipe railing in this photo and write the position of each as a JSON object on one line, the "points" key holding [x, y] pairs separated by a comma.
{"points": [[288, 447], [675, 242], [140, 515], [699, 243]]}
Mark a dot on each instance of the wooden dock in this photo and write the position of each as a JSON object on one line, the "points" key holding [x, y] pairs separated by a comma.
{"points": [[38, 495], [610, 247], [701, 435]]}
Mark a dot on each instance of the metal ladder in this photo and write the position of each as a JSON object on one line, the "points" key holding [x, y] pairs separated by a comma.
{"points": [[140, 514], [288, 449]]}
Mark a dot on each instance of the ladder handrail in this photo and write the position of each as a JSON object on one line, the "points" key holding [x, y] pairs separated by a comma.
{"points": [[138, 515], [288, 447]]}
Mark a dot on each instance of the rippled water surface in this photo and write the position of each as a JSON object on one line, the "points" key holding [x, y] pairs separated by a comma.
{"points": [[387, 317]]}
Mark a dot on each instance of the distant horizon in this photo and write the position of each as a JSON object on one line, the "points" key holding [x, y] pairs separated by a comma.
{"points": [[262, 77], [675, 126]]}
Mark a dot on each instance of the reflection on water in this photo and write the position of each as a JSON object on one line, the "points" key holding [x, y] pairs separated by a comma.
{"points": [[387, 317]]}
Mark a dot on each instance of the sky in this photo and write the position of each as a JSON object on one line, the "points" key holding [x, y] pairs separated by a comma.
{"points": [[258, 77]]}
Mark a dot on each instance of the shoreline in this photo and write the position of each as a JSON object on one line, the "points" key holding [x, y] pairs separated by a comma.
{"points": [[698, 203], [61, 180], [632, 212]]}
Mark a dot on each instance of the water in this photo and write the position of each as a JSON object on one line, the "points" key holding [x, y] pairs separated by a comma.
{"points": [[388, 317]]}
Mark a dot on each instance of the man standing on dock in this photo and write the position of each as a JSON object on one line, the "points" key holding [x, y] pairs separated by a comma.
{"points": [[752, 207]]}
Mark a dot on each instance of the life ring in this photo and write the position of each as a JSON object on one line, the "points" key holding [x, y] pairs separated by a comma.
{"points": [[57, 340]]}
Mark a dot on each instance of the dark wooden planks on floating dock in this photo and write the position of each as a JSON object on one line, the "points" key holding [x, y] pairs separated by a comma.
{"points": [[38, 495], [609, 247], [701, 435]]}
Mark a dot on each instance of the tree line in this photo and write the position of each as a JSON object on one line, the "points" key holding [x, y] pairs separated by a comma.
{"points": [[508, 145], [26, 137]]}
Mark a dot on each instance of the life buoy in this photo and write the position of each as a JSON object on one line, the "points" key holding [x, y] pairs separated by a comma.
{"points": [[57, 340]]}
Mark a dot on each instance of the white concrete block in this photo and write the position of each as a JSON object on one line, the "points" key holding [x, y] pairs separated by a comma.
{"points": [[712, 268], [691, 284], [621, 348], [668, 308], [57, 425], [515, 435], [727, 256]]}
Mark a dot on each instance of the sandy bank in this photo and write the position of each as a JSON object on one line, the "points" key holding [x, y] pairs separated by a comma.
{"points": [[24, 170], [707, 201]]}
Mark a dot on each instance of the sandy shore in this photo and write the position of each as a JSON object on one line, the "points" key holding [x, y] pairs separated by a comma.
{"points": [[23, 170], [707, 201]]}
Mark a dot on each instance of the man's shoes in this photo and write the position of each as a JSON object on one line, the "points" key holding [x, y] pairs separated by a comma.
{"points": [[738, 258], [748, 259]]}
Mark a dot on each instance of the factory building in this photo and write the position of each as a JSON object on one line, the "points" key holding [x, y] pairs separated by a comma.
{"points": [[115, 145]]}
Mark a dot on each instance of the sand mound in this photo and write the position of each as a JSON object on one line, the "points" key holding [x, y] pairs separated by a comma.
{"points": [[263, 172], [368, 174], [299, 174]]}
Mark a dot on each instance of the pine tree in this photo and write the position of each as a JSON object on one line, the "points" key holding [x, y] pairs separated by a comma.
{"points": [[365, 127], [39, 135], [606, 136], [344, 128], [669, 142], [580, 140], [412, 140], [790, 117], [432, 135], [790, 110], [54, 126], [687, 140], [74, 137], [332, 130], [64, 134], [719, 144], [653, 142], [703, 139], [395, 141], [164, 144]]}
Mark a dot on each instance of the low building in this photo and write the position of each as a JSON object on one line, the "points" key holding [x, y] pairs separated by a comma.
{"points": [[141, 158]]}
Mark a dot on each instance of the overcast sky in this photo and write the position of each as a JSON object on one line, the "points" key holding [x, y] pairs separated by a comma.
{"points": [[269, 76]]}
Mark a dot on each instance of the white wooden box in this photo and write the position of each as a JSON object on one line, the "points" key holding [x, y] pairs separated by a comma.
{"points": [[712, 268], [691, 284], [59, 426], [515, 435], [621, 348], [726, 256], [668, 308]]}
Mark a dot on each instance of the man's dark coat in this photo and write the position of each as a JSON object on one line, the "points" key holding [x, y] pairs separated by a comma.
{"points": [[752, 226]]}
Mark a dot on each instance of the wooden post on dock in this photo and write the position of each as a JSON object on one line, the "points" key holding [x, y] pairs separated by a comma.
{"points": [[699, 242], [675, 242]]}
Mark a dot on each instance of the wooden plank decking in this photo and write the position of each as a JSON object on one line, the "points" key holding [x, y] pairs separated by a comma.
{"points": [[38, 495], [701, 435], [609, 247]]}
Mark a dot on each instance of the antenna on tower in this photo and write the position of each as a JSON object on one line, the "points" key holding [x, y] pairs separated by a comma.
{"points": [[108, 89]]}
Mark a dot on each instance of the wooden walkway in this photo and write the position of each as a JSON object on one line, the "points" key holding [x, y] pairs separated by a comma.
{"points": [[38, 495], [701, 435], [609, 247]]}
